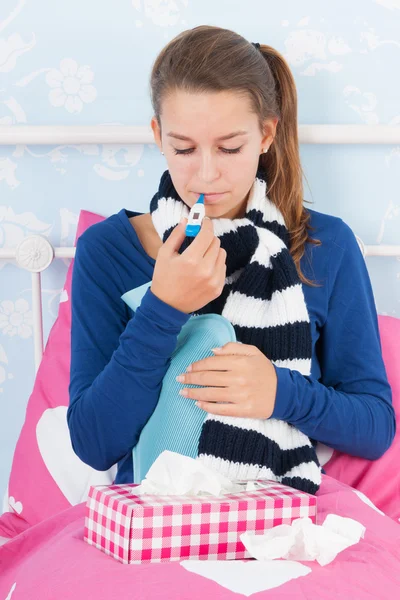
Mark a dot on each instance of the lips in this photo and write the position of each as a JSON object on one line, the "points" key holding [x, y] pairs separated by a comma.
{"points": [[211, 198]]}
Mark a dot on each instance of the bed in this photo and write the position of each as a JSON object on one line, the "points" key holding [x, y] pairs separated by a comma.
{"points": [[42, 550]]}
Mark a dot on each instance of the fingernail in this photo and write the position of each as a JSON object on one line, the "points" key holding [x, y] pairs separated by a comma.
{"points": [[215, 349], [180, 378], [183, 392], [189, 368]]}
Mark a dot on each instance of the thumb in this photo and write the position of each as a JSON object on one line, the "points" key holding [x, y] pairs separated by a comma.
{"points": [[176, 238], [236, 348]]}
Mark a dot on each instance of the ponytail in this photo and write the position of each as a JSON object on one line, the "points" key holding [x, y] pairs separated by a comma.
{"points": [[282, 162]]}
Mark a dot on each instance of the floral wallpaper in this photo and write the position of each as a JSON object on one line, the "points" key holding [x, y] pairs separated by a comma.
{"points": [[88, 63]]}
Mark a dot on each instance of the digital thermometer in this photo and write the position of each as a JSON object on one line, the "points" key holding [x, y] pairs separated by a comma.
{"points": [[196, 217]]}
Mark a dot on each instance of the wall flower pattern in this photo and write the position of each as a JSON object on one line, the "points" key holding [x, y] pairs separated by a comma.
{"points": [[71, 86]]}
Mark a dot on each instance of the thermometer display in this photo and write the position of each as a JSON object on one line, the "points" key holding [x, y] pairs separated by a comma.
{"points": [[196, 217]]}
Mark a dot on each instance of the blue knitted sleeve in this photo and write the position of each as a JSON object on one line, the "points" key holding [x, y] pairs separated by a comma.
{"points": [[350, 407], [117, 363]]}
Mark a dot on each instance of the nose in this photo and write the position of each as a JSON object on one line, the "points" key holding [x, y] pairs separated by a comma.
{"points": [[209, 170]]}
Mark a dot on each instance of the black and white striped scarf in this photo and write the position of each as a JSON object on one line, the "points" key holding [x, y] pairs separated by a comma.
{"points": [[263, 299]]}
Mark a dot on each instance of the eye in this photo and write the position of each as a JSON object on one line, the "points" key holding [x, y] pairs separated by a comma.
{"points": [[186, 151], [231, 150], [226, 150]]}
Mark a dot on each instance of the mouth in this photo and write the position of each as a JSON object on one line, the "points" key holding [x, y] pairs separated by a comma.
{"points": [[213, 197]]}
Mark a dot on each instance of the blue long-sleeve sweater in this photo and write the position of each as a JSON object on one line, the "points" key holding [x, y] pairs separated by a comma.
{"points": [[119, 358]]}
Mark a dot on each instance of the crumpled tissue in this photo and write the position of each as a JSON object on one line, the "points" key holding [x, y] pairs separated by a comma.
{"points": [[303, 540], [174, 474]]}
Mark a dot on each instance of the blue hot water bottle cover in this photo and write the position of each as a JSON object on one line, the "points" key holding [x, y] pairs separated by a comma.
{"points": [[176, 422]]}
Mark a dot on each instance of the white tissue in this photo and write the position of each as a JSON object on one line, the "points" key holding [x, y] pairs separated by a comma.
{"points": [[302, 540], [175, 474]]}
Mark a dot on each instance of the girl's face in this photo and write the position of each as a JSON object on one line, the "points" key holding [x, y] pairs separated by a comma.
{"points": [[212, 143]]}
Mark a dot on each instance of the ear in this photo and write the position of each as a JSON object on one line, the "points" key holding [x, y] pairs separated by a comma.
{"points": [[269, 132], [156, 132]]}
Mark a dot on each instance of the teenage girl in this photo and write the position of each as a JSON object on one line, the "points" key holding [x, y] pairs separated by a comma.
{"points": [[225, 118]]}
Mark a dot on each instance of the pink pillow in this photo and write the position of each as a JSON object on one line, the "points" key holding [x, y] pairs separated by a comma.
{"points": [[46, 475], [378, 479]]}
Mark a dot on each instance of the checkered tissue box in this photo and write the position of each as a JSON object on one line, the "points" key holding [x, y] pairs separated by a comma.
{"points": [[152, 528]]}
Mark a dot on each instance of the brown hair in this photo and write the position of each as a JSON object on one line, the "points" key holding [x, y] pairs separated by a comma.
{"points": [[212, 59]]}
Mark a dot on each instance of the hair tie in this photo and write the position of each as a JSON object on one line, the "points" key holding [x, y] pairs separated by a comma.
{"points": [[256, 45]]}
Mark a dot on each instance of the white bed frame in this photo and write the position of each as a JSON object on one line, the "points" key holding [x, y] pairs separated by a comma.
{"points": [[35, 253]]}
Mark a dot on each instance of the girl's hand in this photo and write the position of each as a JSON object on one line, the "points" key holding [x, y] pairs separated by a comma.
{"points": [[190, 280], [240, 376]]}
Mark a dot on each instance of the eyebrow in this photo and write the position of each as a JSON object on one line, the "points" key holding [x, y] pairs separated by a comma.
{"points": [[223, 137]]}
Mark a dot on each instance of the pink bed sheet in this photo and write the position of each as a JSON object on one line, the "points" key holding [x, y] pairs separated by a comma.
{"points": [[52, 561]]}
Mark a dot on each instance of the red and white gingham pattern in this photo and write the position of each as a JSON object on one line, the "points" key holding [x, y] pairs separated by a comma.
{"points": [[147, 528]]}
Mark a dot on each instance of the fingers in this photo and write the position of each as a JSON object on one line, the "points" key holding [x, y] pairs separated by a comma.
{"points": [[206, 378], [175, 240], [220, 265], [202, 241], [224, 410], [237, 348], [211, 255], [215, 363], [206, 394]]}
